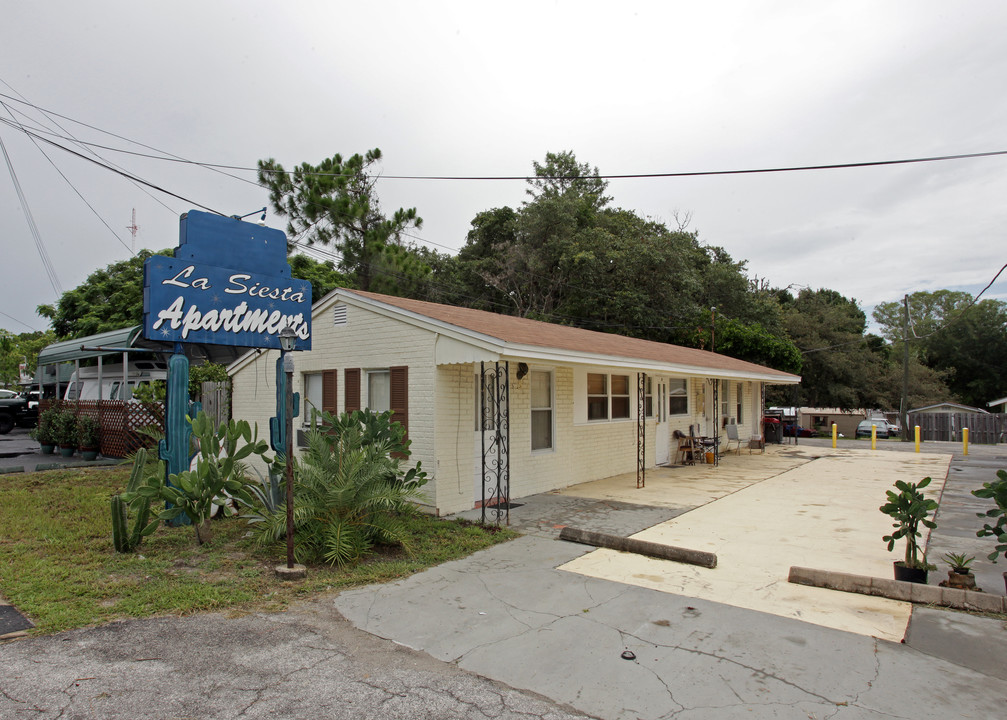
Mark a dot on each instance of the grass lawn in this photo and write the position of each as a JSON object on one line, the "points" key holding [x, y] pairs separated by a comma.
{"points": [[58, 567]]}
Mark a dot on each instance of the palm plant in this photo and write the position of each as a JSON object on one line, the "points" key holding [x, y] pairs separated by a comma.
{"points": [[350, 494]]}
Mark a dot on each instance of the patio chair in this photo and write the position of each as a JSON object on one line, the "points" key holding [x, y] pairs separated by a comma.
{"points": [[732, 437], [686, 448]]}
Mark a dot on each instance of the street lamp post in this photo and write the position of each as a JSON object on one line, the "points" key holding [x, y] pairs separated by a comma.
{"points": [[287, 339]]}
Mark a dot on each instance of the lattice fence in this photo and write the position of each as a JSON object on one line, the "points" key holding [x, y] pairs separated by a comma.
{"points": [[121, 422]]}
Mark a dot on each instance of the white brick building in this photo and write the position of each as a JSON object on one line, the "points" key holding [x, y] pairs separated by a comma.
{"points": [[568, 412]]}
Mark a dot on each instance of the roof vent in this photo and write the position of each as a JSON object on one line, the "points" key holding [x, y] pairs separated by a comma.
{"points": [[339, 315]]}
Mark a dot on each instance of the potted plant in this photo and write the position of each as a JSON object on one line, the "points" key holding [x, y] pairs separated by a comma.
{"points": [[43, 432], [997, 492], [960, 575], [910, 509], [88, 437], [65, 431]]}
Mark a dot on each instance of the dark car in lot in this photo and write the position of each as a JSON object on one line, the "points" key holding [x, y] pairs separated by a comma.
{"points": [[864, 428], [13, 411]]}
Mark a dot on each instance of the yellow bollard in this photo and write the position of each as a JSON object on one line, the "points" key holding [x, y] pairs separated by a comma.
{"points": [[835, 434], [965, 440], [917, 438], [874, 437]]}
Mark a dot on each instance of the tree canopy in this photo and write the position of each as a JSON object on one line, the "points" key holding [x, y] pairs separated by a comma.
{"points": [[335, 204], [960, 341], [568, 255], [109, 299], [16, 349]]}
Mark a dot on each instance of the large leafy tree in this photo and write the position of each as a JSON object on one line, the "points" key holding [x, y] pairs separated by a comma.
{"points": [[16, 349], [335, 204], [961, 342], [971, 351], [840, 367], [324, 278], [566, 255], [109, 299]]}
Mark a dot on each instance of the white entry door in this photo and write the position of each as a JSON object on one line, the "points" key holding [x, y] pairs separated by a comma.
{"points": [[662, 436]]}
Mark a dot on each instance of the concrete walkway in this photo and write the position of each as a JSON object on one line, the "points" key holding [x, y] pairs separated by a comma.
{"points": [[820, 512], [509, 613]]}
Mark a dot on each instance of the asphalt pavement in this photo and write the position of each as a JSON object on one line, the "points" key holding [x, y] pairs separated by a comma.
{"points": [[19, 453]]}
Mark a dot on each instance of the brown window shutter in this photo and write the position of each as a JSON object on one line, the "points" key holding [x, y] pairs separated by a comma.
{"points": [[352, 391], [329, 382], [398, 382]]}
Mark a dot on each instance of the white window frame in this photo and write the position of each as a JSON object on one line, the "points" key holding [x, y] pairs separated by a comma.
{"points": [[374, 374], [673, 392], [306, 404], [609, 396], [551, 409]]}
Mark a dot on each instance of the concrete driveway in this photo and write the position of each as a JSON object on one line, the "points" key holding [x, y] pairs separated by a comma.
{"points": [[512, 613], [795, 505]]}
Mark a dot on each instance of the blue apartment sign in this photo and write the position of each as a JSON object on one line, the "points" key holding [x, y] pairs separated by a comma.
{"points": [[229, 283]]}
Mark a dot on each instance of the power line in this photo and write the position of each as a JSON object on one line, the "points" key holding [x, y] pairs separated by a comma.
{"points": [[955, 318], [19, 322], [170, 157], [165, 155], [32, 227], [123, 173], [67, 180], [75, 140]]}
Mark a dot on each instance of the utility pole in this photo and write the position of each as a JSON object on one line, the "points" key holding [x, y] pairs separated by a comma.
{"points": [[904, 405]]}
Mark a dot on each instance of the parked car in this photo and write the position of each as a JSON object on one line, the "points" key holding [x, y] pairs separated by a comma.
{"points": [[13, 411], [864, 428]]}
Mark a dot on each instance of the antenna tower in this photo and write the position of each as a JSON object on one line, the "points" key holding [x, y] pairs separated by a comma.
{"points": [[132, 229]]}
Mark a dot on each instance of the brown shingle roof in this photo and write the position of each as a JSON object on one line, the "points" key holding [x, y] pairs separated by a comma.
{"points": [[523, 331]]}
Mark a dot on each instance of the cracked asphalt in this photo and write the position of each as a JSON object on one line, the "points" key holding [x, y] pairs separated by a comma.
{"points": [[507, 614], [304, 663]]}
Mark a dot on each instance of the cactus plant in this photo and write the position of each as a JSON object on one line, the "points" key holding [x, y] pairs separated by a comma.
{"points": [[278, 423], [140, 490], [218, 472]]}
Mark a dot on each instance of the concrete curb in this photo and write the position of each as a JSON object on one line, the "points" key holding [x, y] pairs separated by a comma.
{"points": [[105, 462], [640, 547], [899, 590]]}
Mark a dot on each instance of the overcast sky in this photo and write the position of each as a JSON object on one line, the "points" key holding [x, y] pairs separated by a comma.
{"points": [[485, 89]]}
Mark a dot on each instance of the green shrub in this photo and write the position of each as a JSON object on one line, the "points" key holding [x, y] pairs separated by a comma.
{"points": [[150, 392], [45, 430], [910, 509], [350, 493], [64, 427], [997, 492], [207, 372], [88, 432], [218, 472]]}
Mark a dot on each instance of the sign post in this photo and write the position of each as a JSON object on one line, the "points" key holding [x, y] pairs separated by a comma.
{"points": [[227, 283]]}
